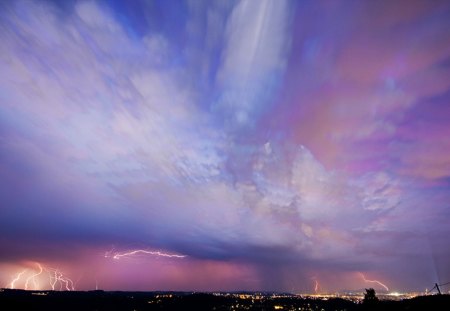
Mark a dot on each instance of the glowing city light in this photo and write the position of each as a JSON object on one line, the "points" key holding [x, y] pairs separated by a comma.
{"points": [[374, 281], [118, 255]]}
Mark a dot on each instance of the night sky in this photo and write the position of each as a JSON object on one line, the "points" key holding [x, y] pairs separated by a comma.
{"points": [[239, 145]]}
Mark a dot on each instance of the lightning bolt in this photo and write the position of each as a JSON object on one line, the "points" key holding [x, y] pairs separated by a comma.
{"points": [[53, 280], [118, 255], [33, 277], [17, 278], [316, 284], [374, 281], [55, 277]]}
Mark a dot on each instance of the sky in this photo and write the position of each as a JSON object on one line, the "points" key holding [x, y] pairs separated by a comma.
{"points": [[225, 145]]}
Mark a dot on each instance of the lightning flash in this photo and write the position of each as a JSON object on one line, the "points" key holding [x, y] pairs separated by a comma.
{"points": [[16, 279], [118, 255], [374, 281], [316, 285], [56, 278], [33, 277]]}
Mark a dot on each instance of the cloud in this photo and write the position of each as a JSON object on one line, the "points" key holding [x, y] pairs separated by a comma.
{"points": [[85, 118], [107, 138], [253, 59]]}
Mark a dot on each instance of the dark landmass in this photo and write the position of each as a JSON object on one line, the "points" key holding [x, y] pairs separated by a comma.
{"points": [[101, 300]]}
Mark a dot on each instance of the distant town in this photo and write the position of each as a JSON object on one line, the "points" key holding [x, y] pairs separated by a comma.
{"points": [[18, 299]]}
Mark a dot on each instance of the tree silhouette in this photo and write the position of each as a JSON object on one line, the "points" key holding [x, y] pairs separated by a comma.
{"points": [[370, 297]]}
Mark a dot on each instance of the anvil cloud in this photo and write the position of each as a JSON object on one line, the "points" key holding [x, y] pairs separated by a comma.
{"points": [[271, 142]]}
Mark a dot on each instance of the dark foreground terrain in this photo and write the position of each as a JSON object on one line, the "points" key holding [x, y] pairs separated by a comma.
{"points": [[100, 300]]}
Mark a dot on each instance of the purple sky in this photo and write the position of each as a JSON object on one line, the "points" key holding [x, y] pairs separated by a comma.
{"points": [[271, 143]]}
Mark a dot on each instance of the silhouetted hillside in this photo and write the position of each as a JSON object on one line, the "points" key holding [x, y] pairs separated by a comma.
{"points": [[100, 300]]}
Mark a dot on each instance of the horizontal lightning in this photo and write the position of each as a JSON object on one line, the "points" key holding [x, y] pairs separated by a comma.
{"points": [[118, 255]]}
